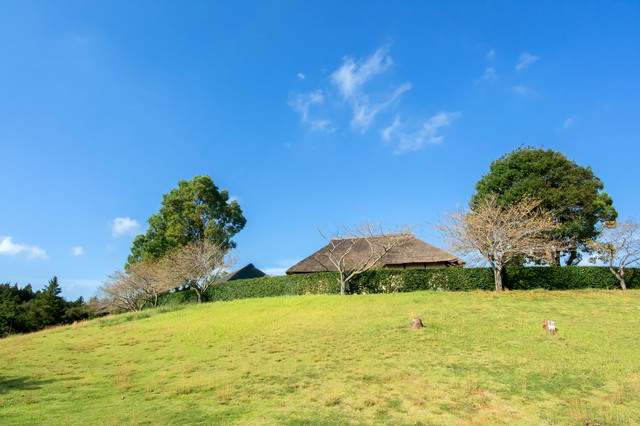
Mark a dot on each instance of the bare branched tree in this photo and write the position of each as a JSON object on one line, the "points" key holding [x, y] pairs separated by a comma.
{"points": [[152, 277], [498, 233], [352, 251], [131, 290], [120, 294], [618, 245], [200, 264]]}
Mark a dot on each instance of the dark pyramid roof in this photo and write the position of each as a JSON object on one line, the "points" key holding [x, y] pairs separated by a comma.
{"points": [[245, 272]]}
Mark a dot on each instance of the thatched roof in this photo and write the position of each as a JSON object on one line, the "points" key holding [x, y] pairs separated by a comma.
{"points": [[410, 251], [245, 272]]}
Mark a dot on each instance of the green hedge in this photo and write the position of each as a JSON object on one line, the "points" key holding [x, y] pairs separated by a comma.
{"points": [[386, 281]]}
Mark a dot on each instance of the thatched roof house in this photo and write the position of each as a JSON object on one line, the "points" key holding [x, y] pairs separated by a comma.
{"points": [[245, 272], [412, 253]]}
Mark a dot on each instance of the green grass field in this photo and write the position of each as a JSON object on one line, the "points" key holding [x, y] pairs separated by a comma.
{"points": [[481, 358]]}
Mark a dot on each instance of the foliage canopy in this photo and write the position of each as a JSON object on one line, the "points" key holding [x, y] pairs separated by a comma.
{"points": [[572, 193], [194, 211]]}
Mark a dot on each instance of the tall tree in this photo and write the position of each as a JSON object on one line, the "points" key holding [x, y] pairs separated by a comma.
{"points": [[619, 246], [571, 193], [48, 306], [499, 232], [194, 211]]}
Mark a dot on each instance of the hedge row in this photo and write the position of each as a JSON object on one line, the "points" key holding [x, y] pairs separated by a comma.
{"points": [[386, 281]]}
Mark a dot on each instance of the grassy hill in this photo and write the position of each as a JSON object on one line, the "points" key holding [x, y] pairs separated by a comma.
{"points": [[482, 357]]}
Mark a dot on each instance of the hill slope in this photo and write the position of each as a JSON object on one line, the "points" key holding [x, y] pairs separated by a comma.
{"points": [[482, 357]]}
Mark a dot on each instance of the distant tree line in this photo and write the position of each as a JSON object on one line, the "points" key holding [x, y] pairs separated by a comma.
{"points": [[22, 310]]}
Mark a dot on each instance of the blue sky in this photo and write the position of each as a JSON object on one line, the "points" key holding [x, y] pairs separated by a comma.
{"points": [[311, 114]]}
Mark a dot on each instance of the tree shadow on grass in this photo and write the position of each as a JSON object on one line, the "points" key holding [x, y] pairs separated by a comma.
{"points": [[21, 383]]}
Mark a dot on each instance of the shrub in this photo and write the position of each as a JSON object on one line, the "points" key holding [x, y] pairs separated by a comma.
{"points": [[387, 281]]}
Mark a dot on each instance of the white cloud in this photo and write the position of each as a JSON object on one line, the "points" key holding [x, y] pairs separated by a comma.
{"points": [[8, 248], [275, 271], [569, 122], [234, 198], [281, 267], [525, 60], [388, 131], [124, 226], [489, 75], [350, 77], [364, 112], [349, 81], [426, 132], [73, 288], [491, 55], [321, 125], [522, 90], [300, 76], [302, 102], [77, 251]]}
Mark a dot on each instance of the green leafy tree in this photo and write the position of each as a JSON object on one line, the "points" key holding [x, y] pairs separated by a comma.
{"points": [[48, 308], [9, 310], [77, 311], [194, 211], [572, 193]]}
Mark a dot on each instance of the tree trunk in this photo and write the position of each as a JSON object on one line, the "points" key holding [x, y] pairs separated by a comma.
{"points": [[620, 277], [497, 275], [199, 293], [343, 284], [573, 256]]}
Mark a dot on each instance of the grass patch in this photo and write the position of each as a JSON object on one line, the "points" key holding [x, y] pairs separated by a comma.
{"points": [[481, 358]]}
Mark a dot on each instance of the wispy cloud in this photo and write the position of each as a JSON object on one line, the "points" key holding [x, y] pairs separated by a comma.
{"points": [[300, 76], [124, 226], [489, 76], [424, 133], [351, 76], [569, 122], [302, 102], [364, 112], [77, 251], [491, 55], [525, 60], [73, 287], [390, 131], [522, 90], [357, 83], [9, 248], [281, 267]]}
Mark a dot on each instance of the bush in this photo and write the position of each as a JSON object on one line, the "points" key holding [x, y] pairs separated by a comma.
{"points": [[386, 281]]}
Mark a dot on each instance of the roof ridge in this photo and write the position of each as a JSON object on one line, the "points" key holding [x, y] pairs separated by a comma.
{"points": [[374, 236]]}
